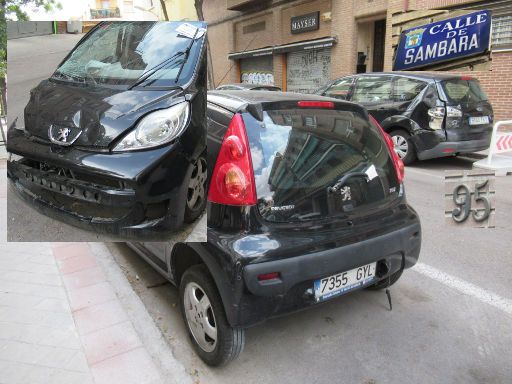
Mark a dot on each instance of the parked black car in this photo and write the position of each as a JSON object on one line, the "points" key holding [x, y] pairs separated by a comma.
{"points": [[247, 86], [115, 139], [428, 115], [305, 203]]}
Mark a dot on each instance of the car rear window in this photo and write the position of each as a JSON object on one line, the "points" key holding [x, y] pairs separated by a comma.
{"points": [[298, 155], [463, 91]]}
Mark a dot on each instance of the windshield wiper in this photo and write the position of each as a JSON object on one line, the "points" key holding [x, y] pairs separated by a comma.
{"points": [[156, 68], [187, 53]]}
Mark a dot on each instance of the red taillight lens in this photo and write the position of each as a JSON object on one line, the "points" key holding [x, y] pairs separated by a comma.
{"points": [[316, 104], [399, 164], [232, 181], [467, 78], [269, 276]]}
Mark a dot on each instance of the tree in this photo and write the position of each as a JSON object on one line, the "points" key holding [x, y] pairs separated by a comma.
{"points": [[13, 9]]}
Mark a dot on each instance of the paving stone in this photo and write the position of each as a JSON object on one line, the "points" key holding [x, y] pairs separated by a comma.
{"points": [[91, 295], [99, 316], [134, 367], [110, 341], [83, 278]]}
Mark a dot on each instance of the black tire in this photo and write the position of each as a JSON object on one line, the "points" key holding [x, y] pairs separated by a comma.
{"points": [[230, 341], [410, 153], [196, 187], [387, 282]]}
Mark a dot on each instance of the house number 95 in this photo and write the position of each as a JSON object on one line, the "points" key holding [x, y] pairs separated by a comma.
{"points": [[462, 199]]}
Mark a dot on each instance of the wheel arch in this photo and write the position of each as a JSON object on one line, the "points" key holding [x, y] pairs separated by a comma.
{"points": [[186, 255], [399, 122]]}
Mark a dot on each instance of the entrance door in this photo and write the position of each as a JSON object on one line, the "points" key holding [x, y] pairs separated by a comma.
{"points": [[378, 45], [308, 70]]}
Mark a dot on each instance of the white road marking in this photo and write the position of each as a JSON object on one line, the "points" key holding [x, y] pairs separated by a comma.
{"points": [[417, 171], [465, 287]]}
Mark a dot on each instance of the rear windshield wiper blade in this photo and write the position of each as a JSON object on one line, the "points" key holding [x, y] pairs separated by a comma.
{"points": [[156, 68]]}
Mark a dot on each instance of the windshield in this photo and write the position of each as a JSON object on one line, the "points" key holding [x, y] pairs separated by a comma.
{"points": [[463, 91], [299, 155], [119, 53]]}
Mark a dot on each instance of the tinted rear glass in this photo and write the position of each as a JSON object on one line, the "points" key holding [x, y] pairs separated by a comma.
{"points": [[299, 154], [463, 91]]}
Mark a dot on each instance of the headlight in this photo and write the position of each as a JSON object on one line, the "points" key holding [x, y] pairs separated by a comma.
{"points": [[157, 128]]}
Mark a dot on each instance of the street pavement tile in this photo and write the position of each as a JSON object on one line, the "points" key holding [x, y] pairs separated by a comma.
{"points": [[109, 342], [25, 265], [83, 278], [63, 252], [17, 300], [91, 295], [53, 357], [66, 337], [32, 289], [133, 367], [76, 263], [19, 373], [99, 316], [33, 316], [31, 278]]}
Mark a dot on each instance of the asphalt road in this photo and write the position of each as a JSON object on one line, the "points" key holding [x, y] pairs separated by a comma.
{"points": [[451, 320], [30, 61]]}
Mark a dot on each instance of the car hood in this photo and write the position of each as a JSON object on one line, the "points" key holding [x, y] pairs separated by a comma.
{"points": [[101, 114]]}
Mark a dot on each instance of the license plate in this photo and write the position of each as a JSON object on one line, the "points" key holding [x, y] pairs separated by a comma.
{"points": [[340, 283], [479, 120]]}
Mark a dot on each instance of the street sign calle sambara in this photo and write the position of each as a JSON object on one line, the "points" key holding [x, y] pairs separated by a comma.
{"points": [[445, 40]]}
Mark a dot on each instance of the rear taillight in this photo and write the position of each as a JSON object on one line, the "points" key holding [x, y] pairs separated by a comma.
{"points": [[269, 276], [398, 163], [232, 181], [316, 104]]}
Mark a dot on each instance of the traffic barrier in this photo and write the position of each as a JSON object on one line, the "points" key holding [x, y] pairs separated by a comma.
{"points": [[498, 159]]}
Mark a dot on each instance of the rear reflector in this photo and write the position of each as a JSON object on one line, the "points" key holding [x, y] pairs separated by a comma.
{"points": [[467, 78], [399, 164], [232, 181], [448, 150], [316, 104], [269, 276]]}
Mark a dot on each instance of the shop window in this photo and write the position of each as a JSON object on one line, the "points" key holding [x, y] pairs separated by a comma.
{"points": [[407, 89], [373, 89]]}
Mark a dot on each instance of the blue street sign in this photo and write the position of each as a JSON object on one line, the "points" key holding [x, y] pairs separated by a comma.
{"points": [[449, 39]]}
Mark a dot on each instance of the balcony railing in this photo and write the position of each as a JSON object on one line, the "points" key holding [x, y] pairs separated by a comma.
{"points": [[105, 13]]}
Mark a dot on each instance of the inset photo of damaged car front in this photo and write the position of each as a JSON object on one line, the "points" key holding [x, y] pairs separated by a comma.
{"points": [[111, 145]]}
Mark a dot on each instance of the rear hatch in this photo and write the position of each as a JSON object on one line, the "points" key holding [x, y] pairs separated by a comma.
{"points": [[469, 114], [318, 164]]}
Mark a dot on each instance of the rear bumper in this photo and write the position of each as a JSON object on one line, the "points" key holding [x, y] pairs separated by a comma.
{"points": [[447, 148], [126, 194], [294, 290]]}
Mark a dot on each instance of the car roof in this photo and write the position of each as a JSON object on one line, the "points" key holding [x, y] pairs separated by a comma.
{"points": [[236, 100], [419, 75]]}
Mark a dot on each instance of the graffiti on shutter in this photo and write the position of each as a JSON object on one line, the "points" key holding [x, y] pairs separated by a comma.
{"points": [[308, 70]]}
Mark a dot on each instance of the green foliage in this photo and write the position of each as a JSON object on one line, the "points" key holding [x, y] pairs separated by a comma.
{"points": [[13, 10]]}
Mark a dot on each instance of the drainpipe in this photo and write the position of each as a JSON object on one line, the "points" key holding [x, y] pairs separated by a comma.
{"points": [[54, 27], [406, 5]]}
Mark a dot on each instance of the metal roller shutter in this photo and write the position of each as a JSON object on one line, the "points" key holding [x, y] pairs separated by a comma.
{"points": [[308, 70], [257, 70]]}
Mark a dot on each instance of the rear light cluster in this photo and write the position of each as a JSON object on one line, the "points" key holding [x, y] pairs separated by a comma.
{"points": [[437, 115], [398, 163], [232, 181]]}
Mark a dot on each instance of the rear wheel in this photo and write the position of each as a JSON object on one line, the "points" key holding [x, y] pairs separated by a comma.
{"points": [[387, 282], [196, 193], [404, 147], [214, 340]]}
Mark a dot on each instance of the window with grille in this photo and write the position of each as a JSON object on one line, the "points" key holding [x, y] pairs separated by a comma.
{"points": [[502, 32]]}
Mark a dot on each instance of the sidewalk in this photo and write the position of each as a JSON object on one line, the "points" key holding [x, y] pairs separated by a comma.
{"points": [[68, 315]]}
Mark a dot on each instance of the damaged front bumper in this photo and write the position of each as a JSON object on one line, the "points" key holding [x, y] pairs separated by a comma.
{"points": [[136, 194]]}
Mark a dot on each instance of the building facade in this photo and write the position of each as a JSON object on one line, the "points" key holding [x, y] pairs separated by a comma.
{"points": [[299, 45]]}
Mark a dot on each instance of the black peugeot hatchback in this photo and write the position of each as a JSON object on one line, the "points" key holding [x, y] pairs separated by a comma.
{"points": [[428, 115], [305, 203], [115, 139]]}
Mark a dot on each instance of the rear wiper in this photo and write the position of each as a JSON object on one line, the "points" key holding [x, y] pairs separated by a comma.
{"points": [[187, 53], [156, 68]]}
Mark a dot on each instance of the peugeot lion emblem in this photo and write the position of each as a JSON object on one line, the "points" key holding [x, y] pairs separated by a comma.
{"points": [[63, 134]]}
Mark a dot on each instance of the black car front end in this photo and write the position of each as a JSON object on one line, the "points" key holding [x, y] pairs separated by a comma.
{"points": [[89, 153]]}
